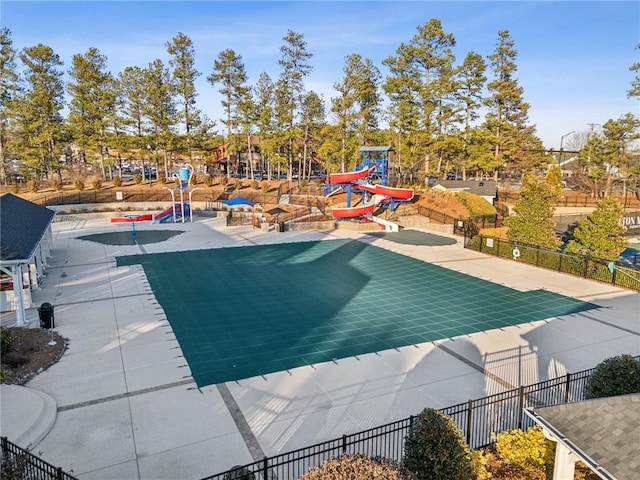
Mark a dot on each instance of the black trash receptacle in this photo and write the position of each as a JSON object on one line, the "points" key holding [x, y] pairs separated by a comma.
{"points": [[45, 312], [281, 227], [239, 473]]}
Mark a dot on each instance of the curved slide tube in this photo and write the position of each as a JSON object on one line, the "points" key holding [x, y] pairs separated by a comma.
{"points": [[348, 177], [137, 218], [360, 210]]}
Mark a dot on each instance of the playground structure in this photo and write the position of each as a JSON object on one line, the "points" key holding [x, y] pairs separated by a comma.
{"points": [[371, 180], [179, 210]]}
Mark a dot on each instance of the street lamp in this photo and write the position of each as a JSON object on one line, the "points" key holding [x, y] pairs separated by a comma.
{"points": [[560, 158]]}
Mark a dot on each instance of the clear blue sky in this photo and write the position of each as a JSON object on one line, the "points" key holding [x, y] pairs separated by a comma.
{"points": [[573, 57]]}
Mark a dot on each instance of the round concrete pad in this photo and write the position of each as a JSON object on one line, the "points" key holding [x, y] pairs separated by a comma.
{"points": [[415, 237], [30, 416], [142, 237]]}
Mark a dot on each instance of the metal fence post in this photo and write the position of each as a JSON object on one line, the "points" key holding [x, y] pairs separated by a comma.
{"points": [[522, 401], [469, 415], [567, 383], [265, 467]]}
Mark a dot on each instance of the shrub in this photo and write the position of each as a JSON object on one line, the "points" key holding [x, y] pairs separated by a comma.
{"points": [[162, 178], [478, 207], [224, 180], [517, 455], [6, 341], [15, 187], [237, 184], [137, 179], [55, 184], [265, 187], [208, 180], [96, 183], [614, 376], [254, 184], [117, 181], [194, 179], [358, 467], [435, 448], [78, 184], [33, 185]]}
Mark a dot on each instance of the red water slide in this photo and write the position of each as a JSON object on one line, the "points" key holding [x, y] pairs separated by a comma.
{"points": [[348, 177]]}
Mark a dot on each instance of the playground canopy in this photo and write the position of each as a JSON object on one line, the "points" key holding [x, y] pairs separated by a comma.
{"points": [[238, 201]]}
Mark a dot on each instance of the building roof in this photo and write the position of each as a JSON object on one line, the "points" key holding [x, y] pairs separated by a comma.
{"points": [[604, 433], [376, 149], [22, 226], [484, 188]]}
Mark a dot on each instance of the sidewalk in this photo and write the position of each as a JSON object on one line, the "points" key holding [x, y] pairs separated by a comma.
{"points": [[127, 408]]}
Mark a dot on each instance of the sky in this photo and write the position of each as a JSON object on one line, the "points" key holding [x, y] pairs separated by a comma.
{"points": [[573, 57]]}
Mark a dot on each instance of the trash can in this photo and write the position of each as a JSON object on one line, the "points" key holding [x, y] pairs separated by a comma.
{"points": [[280, 227], [45, 312], [239, 473]]}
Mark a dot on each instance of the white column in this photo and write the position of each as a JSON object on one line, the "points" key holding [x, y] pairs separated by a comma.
{"points": [[16, 277], [564, 465]]}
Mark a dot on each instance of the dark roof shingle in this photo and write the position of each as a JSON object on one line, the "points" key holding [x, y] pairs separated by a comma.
{"points": [[22, 225]]}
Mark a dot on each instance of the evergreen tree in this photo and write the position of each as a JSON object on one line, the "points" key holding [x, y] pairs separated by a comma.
{"points": [[312, 120], [184, 76], [420, 87], [37, 112], [471, 81], [161, 110], [507, 118], [8, 89], [601, 234], [92, 98], [263, 92], [294, 64], [532, 221], [229, 72], [634, 91]]}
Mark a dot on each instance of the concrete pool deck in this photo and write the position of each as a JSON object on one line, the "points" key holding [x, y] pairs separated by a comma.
{"points": [[126, 406]]}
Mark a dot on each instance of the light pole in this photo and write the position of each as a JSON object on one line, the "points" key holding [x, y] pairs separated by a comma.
{"points": [[560, 158]]}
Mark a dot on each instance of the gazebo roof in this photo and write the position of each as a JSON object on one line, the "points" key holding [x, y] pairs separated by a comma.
{"points": [[22, 226], [604, 433]]}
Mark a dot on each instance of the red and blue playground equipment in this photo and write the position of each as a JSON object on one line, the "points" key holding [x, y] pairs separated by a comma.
{"points": [[371, 180]]}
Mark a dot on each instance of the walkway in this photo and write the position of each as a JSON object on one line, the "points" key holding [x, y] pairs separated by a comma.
{"points": [[128, 408]]}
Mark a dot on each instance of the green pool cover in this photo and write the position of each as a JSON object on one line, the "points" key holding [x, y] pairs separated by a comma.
{"points": [[246, 311]]}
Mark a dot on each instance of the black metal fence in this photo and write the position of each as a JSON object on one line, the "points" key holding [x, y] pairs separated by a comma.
{"points": [[20, 464], [480, 421], [616, 273]]}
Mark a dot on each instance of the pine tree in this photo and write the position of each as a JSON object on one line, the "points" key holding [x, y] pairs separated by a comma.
{"points": [[532, 221], [8, 89], [184, 76], [92, 98], [601, 234]]}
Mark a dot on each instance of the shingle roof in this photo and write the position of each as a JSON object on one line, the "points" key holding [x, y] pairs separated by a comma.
{"points": [[22, 225], [376, 149], [605, 429], [486, 188]]}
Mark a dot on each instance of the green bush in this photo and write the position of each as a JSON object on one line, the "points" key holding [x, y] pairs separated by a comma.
{"points": [[254, 184], [478, 207], [117, 181], [137, 179], [15, 187], [614, 376], [162, 179], [96, 183], [224, 180], [358, 467], [265, 187], [78, 184], [6, 341], [208, 180], [435, 448]]}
